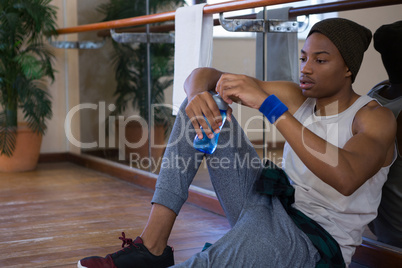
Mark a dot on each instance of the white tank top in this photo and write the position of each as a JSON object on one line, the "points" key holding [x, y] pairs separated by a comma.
{"points": [[344, 217]]}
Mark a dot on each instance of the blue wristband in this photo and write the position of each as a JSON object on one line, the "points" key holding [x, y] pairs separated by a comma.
{"points": [[273, 108]]}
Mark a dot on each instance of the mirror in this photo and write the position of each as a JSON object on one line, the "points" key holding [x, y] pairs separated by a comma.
{"points": [[106, 134]]}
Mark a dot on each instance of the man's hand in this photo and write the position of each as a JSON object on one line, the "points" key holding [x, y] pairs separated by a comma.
{"points": [[241, 89], [202, 105]]}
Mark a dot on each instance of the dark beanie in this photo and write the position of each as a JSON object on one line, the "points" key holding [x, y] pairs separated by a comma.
{"points": [[351, 39], [388, 41]]}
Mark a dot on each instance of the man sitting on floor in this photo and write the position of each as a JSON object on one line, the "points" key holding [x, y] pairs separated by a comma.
{"points": [[339, 147]]}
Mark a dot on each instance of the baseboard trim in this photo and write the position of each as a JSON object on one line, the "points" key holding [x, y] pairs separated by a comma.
{"points": [[53, 157], [132, 175]]}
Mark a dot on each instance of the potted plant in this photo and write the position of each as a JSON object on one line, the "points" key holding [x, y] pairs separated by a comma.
{"points": [[25, 63], [130, 62]]}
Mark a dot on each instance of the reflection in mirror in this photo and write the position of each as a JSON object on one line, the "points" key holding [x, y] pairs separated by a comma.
{"points": [[387, 39], [106, 123], [114, 89]]}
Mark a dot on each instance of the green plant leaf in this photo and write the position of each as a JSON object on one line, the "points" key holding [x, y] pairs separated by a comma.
{"points": [[7, 137], [30, 66], [37, 108], [24, 61]]}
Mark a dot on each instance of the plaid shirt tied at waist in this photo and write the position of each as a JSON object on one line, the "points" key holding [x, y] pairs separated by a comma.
{"points": [[275, 182]]}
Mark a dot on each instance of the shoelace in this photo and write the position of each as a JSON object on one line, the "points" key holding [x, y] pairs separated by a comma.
{"points": [[127, 241]]}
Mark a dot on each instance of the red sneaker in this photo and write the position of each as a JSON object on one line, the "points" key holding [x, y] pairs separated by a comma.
{"points": [[135, 255]]}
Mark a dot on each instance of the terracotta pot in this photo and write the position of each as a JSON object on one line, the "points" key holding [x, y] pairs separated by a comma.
{"points": [[26, 153]]}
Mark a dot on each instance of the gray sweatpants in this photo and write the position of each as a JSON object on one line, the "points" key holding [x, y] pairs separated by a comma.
{"points": [[262, 233]]}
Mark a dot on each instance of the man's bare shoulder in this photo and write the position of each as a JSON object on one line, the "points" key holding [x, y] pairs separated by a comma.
{"points": [[374, 109], [375, 118]]}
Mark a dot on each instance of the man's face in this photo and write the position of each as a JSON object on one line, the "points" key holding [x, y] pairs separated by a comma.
{"points": [[323, 71]]}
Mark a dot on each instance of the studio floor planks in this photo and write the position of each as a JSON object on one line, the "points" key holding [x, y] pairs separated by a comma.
{"points": [[61, 212]]}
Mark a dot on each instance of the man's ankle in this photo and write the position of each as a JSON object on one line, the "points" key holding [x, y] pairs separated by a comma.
{"points": [[156, 249]]}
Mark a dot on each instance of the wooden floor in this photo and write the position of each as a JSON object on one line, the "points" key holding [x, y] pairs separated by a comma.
{"points": [[61, 212]]}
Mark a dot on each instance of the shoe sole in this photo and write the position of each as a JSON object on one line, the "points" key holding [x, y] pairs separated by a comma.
{"points": [[80, 266]]}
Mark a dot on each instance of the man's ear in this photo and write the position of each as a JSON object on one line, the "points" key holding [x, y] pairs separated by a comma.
{"points": [[348, 73]]}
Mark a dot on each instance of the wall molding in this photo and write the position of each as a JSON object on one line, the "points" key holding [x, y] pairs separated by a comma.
{"points": [[138, 177]]}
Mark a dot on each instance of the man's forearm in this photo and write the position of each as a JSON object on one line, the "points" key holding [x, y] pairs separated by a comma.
{"points": [[200, 80]]}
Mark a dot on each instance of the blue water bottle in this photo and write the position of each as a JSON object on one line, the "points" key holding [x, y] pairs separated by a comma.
{"points": [[207, 145]]}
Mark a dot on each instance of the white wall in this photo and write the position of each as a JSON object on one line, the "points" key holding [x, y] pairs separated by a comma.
{"points": [[65, 89]]}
